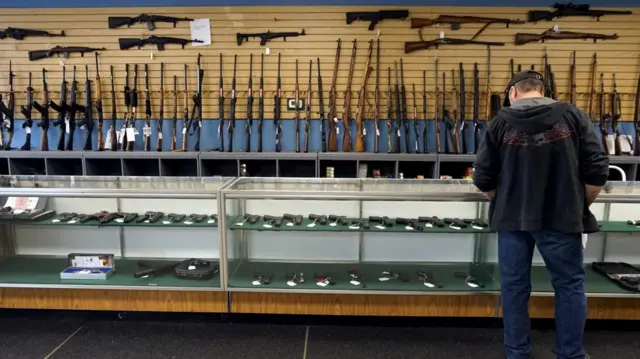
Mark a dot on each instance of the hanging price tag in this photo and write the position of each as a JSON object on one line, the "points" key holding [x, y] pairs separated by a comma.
{"points": [[66, 125], [377, 132], [131, 134], [27, 130], [107, 145], [146, 130], [364, 131], [160, 135], [121, 135], [184, 130]]}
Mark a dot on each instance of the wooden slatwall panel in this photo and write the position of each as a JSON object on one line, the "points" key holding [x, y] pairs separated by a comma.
{"points": [[324, 25]]}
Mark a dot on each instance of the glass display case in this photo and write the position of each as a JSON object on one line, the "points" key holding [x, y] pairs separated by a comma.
{"points": [[161, 232]]}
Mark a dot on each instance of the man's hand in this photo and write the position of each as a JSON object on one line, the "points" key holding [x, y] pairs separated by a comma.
{"points": [[490, 194]]}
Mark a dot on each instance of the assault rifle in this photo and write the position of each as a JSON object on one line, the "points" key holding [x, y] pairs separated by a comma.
{"points": [[44, 112], [150, 20], [146, 131], [413, 46], [99, 106], [376, 16], [9, 111], [61, 109], [87, 121], [551, 34], [297, 114], [220, 109], [113, 144], [455, 21], [127, 105], [332, 145], [249, 122], [277, 103], [161, 110], [307, 115], [267, 36], [232, 106], [133, 94], [26, 112], [20, 34], [61, 51], [196, 113], [346, 115], [71, 112], [361, 132], [261, 103], [159, 41], [323, 134], [376, 102], [570, 9]]}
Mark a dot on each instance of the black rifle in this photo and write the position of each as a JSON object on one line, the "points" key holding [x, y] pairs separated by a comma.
{"points": [[174, 123], [133, 100], [297, 115], [150, 20], [61, 109], [44, 112], [476, 107], [61, 51], [446, 118], [20, 34], [99, 107], [376, 102], [114, 114], [249, 122], [398, 106], [159, 41], [221, 109], [9, 111], [277, 102], [436, 106], [196, 113], [616, 113], [161, 110], [323, 134], [463, 110], [71, 112], [307, 126], [405, 118], [232, 106], [185, 110], [87, 121], [376, 16], [146, 131], [425, 123], [267, 36], [415, 121], [413, 46], [569, 9], [261, 103], [27, 125], [127, 105]]}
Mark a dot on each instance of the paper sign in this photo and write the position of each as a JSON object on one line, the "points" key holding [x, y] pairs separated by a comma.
{"points": [[201, 30]]}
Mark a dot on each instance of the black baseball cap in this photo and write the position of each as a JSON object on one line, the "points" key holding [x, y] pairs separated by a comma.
{"points": [[524, 75]]}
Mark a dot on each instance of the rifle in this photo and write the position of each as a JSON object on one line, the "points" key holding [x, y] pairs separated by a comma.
{"points": [[159, 41], [389, 111], [332, 145], [261, 103], [150, 20], [196, 114], [415, 119], [603, 117], [476, 108], [569, 9], [323, 135], [376, 16], [446, 118], [26, 112], [636, 117], [455, 112], [267, 36], [551, 34], [277, 103], [436, 106], [376, 101], [20, 34], [174, 123], [161, 111], [488, 92], [220, 110], [232, 106], [71, 112], [9, 111], [398, 106], [146, 131], [593, 93], [413, 46], [307, 127], [44, 112], [61, 51], [463, 109], [572, 80], [249, 122], [456, 21], [616, 111], [185, 111], [405, 118], [61, 109], [362, 98], [114, 114], [346, 115], [425, 123], [133, 94], [99, 106], [124, 142], [297, 115], [87, 121]]}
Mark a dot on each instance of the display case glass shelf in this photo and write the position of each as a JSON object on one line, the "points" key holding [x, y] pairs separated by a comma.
{"points": [[164, 221]]}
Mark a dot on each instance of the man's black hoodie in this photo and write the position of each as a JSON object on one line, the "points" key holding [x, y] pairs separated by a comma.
{"points": [[538, 155]]}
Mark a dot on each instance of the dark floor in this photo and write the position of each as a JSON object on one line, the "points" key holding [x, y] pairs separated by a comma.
{"points": [[61, 337]]}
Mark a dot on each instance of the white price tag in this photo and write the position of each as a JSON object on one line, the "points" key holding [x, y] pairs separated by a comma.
{"points": [[398, 132], [364, 131], [27, 130], [66, 125], [377, 132], [146, 131], [131, 134], [184, 130], [337, 130], [160, 135], [121, 135], [107, 145]]}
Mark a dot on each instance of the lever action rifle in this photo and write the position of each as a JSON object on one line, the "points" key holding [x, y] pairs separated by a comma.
{"points": [[185, 110], [220, 110], [146, 131], [159, 41], [376, 16], [61, 109], [551, 34], [196, 113], [20, 34], [27, 125], [389, 111], [261, 103], [71, 113], [249, 122], [161, 110], [603, 117], [569, 9], [476, 108], [61, 51], [376, 102], [113, 144], [332, 145], [232, 106], [463, 109], [150, 20], [277, 103], [99, 106], [456, 21], [436, 106], [616, 111], [323, 134], [297, 114], [346, 115], [43, 108], [415, 120], [425, 122], [361, 132], [267, 36], [87, 121], [405, 118], [9, 111], [413, 46], [174, 123], [307, 115], [398, 106], [133, 94]]}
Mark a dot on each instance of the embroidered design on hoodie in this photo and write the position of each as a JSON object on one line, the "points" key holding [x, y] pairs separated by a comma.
{"points": [[559, 131]]}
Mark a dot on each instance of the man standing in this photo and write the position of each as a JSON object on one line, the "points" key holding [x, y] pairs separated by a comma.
{"points": [[541, 165]]}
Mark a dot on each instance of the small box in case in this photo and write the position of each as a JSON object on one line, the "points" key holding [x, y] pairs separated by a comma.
{"points": [[89, 266]]}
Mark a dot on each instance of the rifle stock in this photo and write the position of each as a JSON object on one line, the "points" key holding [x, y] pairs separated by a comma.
{"points": [[362, 98]]}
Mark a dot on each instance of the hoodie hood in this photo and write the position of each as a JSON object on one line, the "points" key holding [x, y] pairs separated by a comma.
{"points": [[534, 115]]}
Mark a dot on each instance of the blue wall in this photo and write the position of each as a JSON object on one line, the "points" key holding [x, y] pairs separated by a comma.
{"points": [[134, 3]]}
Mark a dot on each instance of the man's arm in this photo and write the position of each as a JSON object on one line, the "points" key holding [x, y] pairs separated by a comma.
{"points": [[487, 164], [594, 162]]}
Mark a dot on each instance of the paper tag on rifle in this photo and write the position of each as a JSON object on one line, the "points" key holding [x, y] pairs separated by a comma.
{"points": [[611, 140], [337, 130], [159, 135], [184, 131], [131, 134], [121, 135], [377, 132], [107, 145], [625, 144], [398, 132], [146, 130], [66, 126], [364, 131], [27, 130]]}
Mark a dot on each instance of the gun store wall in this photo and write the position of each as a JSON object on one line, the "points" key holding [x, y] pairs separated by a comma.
{"points": [[180, 163]]}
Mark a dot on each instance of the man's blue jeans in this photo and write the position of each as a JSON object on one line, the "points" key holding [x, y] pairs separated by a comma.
{"points": [[563, 256]]}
